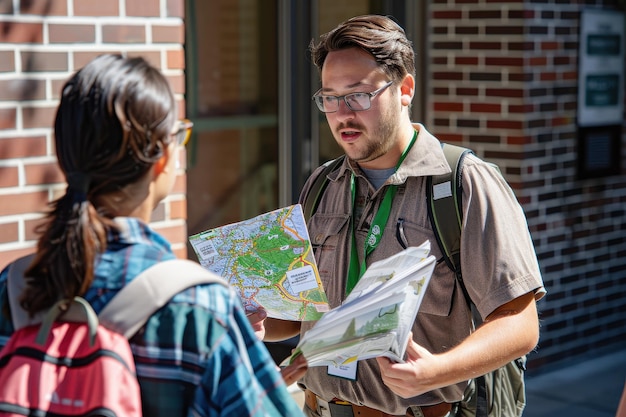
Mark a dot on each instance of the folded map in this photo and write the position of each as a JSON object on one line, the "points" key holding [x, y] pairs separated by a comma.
{"points": [[269, 260]]}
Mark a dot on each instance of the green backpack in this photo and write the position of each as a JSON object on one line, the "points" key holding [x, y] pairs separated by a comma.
{"points": [[500, 393]]}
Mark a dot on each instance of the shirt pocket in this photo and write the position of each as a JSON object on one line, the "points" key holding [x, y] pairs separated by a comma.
{"points": [[326, 230], [440, 292], [328, 239]]}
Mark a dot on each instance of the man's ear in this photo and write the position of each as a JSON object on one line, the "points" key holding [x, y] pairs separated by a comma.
{"points": [[407, 90]]}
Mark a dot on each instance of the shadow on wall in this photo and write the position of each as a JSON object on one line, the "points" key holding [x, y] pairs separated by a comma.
{"points": [[22, 33]]}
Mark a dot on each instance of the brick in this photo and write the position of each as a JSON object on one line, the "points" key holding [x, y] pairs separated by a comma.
{"points": [[476, 46], [485, 76], [178, 209], [97, 8], [505, 61], [31, 226], [44, 61], [538, 61], [9, 232], [44, 8], [466, 30], [505, 92], [168, 34], [45, 173], [57, 88], [519, 140], [465, 60], [126, 34], [485, 14], [144, 8], [153, 57], [29, 202], [21, 32], [6, 7], [448, 106], [485, 108], [467, 123], [38, 117], [521, 108], [7, 61], [9, 176], [173, 233], [175, 59], [504, 30], [549, 46], [175, 8], [465, 91], [447, 14], [447, 75], [505, 124], [442, 46], [71, 33], [7, 118], [484, 139], [82, 58], [177, 82], [22, 147], [158, 214], [180, 252], [22, 89]]}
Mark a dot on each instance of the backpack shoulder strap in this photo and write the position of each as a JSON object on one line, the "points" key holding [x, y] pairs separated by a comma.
{"points": [[150, 291], [445, 198], [15, 285], [319, 185]]}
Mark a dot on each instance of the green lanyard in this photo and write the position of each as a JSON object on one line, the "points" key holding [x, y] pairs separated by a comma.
{"points": [[356, 271]]}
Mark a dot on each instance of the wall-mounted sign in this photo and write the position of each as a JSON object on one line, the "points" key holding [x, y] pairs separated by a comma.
{"points": [[601, 68]]}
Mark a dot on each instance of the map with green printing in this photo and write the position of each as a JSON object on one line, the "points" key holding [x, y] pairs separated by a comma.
{"points": [[269, 260]]}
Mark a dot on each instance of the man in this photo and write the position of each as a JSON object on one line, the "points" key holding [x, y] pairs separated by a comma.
{"points": [[368, 82]]}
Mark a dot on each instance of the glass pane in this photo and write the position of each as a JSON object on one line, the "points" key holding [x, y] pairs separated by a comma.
{"points": [[233, 100], [235, 177]]}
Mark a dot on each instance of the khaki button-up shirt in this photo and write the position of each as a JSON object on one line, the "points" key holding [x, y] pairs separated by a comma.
{"points": [[497, 257]]}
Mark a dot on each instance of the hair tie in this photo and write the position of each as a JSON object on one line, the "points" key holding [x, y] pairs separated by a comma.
{"points": [[79, 182]]}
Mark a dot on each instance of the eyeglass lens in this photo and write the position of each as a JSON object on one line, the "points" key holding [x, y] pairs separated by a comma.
{"points": [[354, 101]]}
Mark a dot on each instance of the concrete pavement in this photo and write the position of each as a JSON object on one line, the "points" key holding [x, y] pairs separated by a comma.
{"points": [[591, 388]]}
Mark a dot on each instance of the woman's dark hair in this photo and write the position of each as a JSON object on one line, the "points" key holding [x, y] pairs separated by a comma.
{"points": [[112, 124], [378, 35]]}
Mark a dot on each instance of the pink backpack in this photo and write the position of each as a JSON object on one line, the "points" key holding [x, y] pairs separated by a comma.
{"points": [[69, 363]]}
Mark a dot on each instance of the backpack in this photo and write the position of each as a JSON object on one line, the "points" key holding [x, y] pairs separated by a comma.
{"points": [[500, 393], [70, 362]]}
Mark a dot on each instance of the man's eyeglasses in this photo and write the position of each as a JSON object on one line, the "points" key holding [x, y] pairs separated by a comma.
{"points": [[354, 101], [183, 131]]}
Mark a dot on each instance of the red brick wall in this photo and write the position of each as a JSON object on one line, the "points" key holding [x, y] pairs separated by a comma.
{"points": [[503, 81], [41, 44]]}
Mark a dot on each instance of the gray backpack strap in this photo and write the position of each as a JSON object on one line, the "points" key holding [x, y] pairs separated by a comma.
{"points": [[15, 286], [319, 186], [150, 291]]}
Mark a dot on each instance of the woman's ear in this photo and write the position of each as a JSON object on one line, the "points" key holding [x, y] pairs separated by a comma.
{"points": [[161, 165], [407, 90]]}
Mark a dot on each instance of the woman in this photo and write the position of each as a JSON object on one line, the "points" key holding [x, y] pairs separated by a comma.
{"points": [[117, 143]]}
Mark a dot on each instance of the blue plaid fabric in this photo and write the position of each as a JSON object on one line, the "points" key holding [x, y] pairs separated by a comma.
{"points": [[190, 355]]}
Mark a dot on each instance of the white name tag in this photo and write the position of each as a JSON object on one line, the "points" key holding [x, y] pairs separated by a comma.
{"points": [[347, 371]]}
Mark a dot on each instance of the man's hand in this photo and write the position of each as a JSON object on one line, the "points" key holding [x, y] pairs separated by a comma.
{"points": [[294, 371], [411, 378], [257, 320], [509, 332]]}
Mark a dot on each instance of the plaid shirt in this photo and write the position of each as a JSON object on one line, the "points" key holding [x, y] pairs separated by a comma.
{"points": [[188, 358]]}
